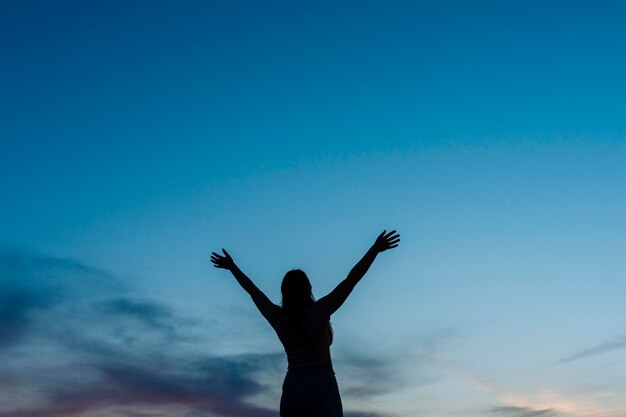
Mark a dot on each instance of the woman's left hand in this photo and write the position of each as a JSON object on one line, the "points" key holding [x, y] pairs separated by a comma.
{"points": [[386, 241]]}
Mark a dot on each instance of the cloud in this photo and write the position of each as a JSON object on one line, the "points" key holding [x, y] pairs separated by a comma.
{"points": [[615, 344], [545, 402], [78, 344], [17, 306], [361, 414], [146, 314], [32, 285], [367, 376], [202, 386], [511, 411], [370, 375], [368, 372], [87, 348]]}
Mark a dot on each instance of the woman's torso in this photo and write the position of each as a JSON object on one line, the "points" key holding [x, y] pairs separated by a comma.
{"points": [[307, 341]]}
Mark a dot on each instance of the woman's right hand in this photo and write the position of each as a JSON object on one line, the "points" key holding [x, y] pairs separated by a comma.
{"points": [[224, 262], [386, 241]]}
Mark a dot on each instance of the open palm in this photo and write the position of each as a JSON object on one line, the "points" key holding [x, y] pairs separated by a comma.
{"points": [[387, 240], [222, 261]]}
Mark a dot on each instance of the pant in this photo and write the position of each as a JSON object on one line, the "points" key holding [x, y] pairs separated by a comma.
{"points": [[310, 392]]}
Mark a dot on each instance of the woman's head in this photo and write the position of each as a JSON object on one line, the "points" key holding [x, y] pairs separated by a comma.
{"points": [[296, 291]]}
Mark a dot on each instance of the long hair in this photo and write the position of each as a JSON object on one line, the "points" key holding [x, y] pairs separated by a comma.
{"points": [[297, 295], [297, 299]]}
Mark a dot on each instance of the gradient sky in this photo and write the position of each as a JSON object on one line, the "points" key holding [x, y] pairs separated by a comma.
{"points": [[136, 137]]}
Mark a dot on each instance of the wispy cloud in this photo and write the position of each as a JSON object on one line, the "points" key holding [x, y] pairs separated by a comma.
{"points": [[32, 286], [368, 376], [89, 348], [546, 402], [511, 411], [611, 345]]}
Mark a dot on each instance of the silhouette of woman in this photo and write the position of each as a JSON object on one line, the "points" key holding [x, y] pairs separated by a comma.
{"points": [[303, 327]]}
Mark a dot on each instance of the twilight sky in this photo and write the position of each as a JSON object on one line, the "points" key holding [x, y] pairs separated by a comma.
{"points": [[136, 137]]}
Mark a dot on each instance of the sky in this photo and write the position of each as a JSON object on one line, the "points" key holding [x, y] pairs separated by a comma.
{"points": [[137, 137]]}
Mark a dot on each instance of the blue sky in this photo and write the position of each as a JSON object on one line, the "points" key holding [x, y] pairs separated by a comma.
{"points": [[136, 138]]}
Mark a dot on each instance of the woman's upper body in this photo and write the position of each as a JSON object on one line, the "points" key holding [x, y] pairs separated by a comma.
{"points": [[305, 333], [306, 342]]}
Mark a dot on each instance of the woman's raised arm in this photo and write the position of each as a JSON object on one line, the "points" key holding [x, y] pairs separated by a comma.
{"points": [[265, 306], [331, 302]]}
